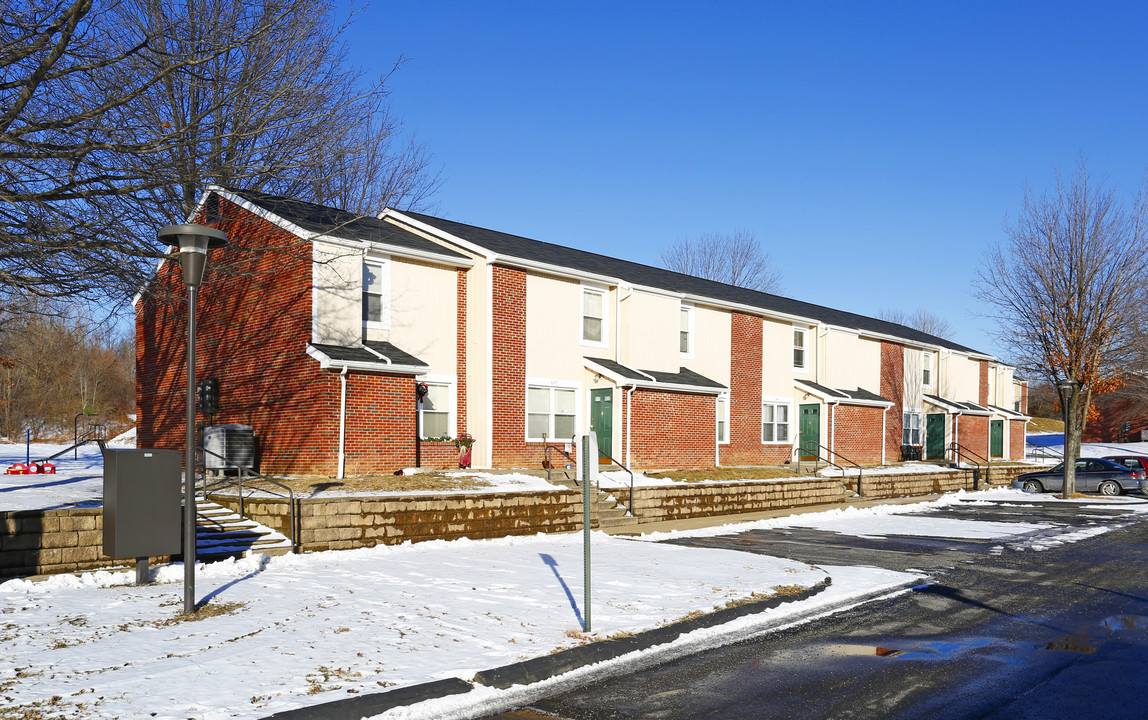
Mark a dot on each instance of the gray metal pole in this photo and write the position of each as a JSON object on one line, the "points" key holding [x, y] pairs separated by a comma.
{"points": [[585, 452], [189, 465]]}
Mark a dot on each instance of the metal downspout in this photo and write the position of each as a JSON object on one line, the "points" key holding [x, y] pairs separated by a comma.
{"points": [[629, 434], [833, 428], [884, 426], [343, 424]]}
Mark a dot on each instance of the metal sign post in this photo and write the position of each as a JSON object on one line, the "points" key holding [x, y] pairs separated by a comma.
{"points": [[588, 476]]}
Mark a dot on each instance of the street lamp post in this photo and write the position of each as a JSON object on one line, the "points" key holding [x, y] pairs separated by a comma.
{"points": [[193, 242], [1068, 389]]}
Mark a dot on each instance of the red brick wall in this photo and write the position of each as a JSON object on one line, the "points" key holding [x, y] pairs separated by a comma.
{"points": [[893, 389], [858, 433], [974, 434], [509, 445], [983, 391], [672, 430], [745, 446], [1016, 439], [1024, 398], [253, 326]]}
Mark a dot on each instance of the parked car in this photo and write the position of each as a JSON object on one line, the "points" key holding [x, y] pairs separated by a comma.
{"points": [[1132, 462], [1092, 475]]}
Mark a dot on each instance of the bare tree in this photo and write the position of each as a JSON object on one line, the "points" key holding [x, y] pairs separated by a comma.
{"points": [[919, 319], [734, 259], [116, 115], [1068, 290]]}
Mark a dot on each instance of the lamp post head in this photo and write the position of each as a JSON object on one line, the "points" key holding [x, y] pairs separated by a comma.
{"points": [[193, 241], [1067, 385]]}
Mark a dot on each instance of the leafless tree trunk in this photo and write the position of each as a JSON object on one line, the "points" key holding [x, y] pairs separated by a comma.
{"points": [[920, 319], [1068, 290], [735, 259]]}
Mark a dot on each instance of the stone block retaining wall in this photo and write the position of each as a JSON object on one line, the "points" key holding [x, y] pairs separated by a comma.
{"points": [[681, 501], [43, 542]]}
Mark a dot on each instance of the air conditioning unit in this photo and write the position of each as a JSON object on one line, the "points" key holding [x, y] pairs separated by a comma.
{"points": [[229, 447]]}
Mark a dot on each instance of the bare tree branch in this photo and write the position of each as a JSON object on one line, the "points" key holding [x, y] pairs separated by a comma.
{"points": [[734, 259], [919, 319]]}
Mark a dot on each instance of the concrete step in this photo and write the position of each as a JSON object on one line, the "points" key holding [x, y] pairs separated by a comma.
{"points": [[223, 533]]}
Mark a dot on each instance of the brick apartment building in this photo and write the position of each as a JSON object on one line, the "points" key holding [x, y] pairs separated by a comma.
{"points": [[322, 323]]}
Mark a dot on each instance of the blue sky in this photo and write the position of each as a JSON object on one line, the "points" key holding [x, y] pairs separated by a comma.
{"points": [[875, 149]]}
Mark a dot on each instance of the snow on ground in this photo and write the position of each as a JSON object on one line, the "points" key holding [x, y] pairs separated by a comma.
{"points": [[902, 469], [78, 482], [315, 627]]}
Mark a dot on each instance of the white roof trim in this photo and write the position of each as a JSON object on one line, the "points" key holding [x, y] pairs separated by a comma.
{"points": [[328, 363]]}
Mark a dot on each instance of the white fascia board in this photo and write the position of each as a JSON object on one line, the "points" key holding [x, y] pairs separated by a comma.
{"points": [[672, 387], [388, 249], [400, 219]]}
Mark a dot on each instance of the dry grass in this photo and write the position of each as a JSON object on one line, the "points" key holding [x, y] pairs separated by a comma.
{"points": [[1045, 425], [724, 473], [420, 482]]}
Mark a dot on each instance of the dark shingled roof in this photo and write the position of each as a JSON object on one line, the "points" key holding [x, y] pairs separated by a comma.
{"points": [[858, 394], [363, 355], [340, 223], [684, 376], [635, 273], [620, 369]]}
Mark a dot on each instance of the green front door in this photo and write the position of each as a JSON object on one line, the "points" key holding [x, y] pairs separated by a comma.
{"points": [[810, 438], [934, 436], [602, 420], [996, 438]]}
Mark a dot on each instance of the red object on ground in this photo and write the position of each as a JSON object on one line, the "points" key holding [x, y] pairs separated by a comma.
{"points": [[18, 469], [464, 459], [48, 468]]}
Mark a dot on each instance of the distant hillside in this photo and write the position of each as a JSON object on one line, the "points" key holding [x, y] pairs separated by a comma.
{"points": [[1048, 425]]}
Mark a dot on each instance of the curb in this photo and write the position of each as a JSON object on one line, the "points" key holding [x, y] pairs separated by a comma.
{"points": [[536, 669]]}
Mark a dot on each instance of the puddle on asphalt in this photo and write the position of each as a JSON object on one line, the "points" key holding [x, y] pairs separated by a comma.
{"points": [[1126, 622], [1069, 644]]}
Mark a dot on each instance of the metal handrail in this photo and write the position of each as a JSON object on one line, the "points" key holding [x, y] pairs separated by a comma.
{"points": [[549, 465], [630, 505], [1043, 451], [244, 472], [960, 451], [830, 462]]}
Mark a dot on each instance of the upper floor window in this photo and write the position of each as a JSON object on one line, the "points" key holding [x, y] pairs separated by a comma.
{"points": [[375, 308], [723, 419], [593, 316], [686, 330], [927, 373], [799, 348]]}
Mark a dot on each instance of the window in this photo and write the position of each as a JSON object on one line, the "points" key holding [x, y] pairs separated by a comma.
{"points": [[375, 310], [593, 316], [911, 429], [927, 374], [798, 349], [722, 419], [434, 411], [686, 330], [1016, 406], [550, 411], [775, 422]]}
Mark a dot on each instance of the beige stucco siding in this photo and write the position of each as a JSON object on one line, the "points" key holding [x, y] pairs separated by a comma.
{"points": [[337, 277], [650, 325], [851, 362], [913, 398], [554, 346], [712, 330], [960, 378], [478, 359], [777, 359], [423, 313]]}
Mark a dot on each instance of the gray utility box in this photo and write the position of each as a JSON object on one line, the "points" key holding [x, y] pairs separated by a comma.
{"points": [[229, 446], [142, 503]]}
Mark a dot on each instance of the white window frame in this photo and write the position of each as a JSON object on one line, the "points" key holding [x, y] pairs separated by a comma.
{"points": [[721, 415], [804, 347], [927, 369], [776, 402], [552, 386], [605, 319], [690, 313], [383, 265], [907, 439], [449, 382]]}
